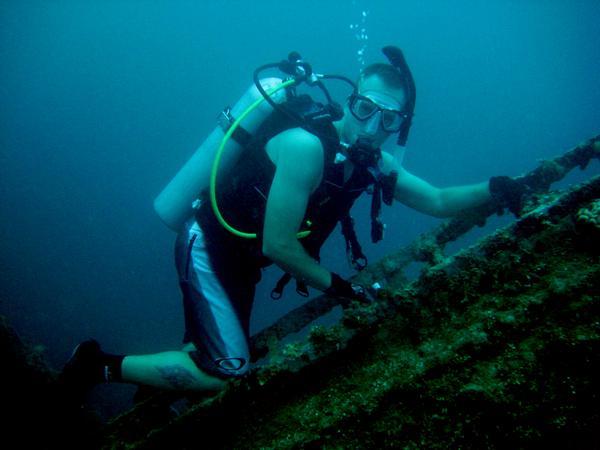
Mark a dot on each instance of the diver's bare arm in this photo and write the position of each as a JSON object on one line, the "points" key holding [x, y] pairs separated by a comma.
{"points": [[299, 170], [438, 202], [457, 198]]}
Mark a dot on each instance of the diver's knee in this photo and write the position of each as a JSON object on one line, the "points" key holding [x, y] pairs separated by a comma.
{"points": [[232, 367], [221, 367], [188, 347]]}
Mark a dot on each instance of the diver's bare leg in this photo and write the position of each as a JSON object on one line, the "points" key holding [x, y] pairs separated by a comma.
{"points": [[173, 370]]}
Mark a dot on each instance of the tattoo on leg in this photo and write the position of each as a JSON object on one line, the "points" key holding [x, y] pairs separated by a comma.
{"points": [[177, 376]]}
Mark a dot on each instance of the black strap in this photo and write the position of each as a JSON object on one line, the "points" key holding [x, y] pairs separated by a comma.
{"points": [[354, 252], [377, 225], [384, 188], [388, 187], [277, 291], [301, 288], [239, 135]]}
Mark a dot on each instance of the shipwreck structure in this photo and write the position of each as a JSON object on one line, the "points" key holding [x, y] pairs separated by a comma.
{"points": [[496, 345]]}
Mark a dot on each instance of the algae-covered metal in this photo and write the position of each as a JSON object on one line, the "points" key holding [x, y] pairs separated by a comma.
{"points": [[494, 346]]}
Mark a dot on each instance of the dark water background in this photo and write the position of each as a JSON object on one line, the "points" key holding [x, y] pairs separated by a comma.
{"points": [[101, 102]]}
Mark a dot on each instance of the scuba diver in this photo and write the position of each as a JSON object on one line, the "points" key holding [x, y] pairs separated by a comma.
{"points": [[269, 185]]}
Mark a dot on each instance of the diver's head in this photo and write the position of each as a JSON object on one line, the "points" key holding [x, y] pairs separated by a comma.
{"points": [[376, 109]]}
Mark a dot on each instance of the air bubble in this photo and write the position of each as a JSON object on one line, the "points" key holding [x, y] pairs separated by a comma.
{"points": [[360, 33]]}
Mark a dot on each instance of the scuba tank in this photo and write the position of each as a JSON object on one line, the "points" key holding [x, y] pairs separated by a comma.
{"points": [[175, 204]]}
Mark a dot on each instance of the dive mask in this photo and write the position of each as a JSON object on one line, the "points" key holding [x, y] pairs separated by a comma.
{"points": [[363, 108]]}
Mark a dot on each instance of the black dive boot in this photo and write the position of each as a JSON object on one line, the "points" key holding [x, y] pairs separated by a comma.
{"points": [[87, 367]]}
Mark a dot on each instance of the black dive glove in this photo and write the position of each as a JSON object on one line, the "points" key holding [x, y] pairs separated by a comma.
{"points": [[508, 193], [342, 288]]}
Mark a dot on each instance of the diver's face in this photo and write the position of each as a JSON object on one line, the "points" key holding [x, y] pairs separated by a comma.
{"points": [[376, 115]]}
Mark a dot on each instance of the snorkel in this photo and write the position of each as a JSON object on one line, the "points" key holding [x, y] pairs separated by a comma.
{"points": [[396, 60]]}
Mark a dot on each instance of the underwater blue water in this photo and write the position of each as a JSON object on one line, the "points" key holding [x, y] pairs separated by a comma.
{"points": [[101, 102]]}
